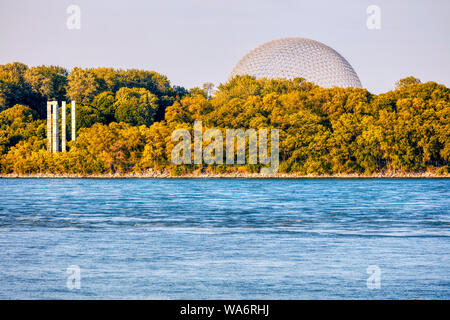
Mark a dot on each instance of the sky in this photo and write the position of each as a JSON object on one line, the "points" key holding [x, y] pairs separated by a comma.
{"points": [[198, 41]]}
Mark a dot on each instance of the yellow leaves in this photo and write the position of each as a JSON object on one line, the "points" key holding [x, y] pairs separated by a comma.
{"points": [[176, 113], [322, 130], [17, 114], [82, 85]]}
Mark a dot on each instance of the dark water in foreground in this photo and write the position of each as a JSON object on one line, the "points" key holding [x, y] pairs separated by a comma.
{"points": [[230, 239]]}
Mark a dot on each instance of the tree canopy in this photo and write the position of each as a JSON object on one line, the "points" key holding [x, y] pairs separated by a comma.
{"points": [[125, 119]]}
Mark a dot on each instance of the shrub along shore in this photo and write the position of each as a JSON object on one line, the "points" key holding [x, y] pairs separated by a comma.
{"points": [[125, 119], [236, 175]]}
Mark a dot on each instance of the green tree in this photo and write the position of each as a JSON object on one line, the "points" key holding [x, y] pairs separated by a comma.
{"points": [[87, 116], [47, 83], [104, 104], [13, 87], [136, 106]]}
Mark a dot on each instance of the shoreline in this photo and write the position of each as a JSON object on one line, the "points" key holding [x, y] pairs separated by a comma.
{"points": [[232, 175]]}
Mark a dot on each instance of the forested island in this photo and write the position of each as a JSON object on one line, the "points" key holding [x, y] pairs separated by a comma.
{"points": [[125, 119]]}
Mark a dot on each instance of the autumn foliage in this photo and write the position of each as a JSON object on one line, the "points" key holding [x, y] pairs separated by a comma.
{"points": [[126, 118]]}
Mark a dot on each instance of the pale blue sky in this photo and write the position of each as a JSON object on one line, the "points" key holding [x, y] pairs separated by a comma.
{"points": [[197, 41]]}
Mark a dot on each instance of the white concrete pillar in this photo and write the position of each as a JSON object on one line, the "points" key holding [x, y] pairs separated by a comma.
{"points": [[63, 126], [74, 121], [55, 139], [49, 126]]}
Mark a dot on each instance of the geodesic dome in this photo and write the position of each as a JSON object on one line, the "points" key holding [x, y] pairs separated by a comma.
{"points": [[291, 58]]}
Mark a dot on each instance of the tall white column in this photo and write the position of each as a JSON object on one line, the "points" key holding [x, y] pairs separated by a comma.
{"points": [[63, 126], [74, 121], [49, 126], [55, 139]]}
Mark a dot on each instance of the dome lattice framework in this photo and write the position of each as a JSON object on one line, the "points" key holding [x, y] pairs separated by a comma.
{"points": [[291, 58]]}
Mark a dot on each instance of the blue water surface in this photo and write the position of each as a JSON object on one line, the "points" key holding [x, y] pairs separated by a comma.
{"points": [[225, 238]]}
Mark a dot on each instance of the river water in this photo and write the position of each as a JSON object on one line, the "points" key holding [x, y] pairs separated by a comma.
{"points": [[224, 238]]}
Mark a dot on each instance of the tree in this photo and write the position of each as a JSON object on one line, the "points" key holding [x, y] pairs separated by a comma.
{"points": [[322, 131], [104, 104], [87, 116], [406, 82], [19, 123], [107, 79], [47, 83], [208, 88], [83, 85], [13, 87], [136, 106]]}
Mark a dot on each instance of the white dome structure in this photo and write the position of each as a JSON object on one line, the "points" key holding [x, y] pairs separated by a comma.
{"points": [[290, 58]]}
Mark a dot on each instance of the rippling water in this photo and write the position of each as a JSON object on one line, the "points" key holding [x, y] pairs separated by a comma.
{"points": [[225, 239]]}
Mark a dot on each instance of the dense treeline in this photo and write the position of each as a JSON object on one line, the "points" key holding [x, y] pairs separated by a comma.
{"points": [[103, 94], [125, 119]]}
